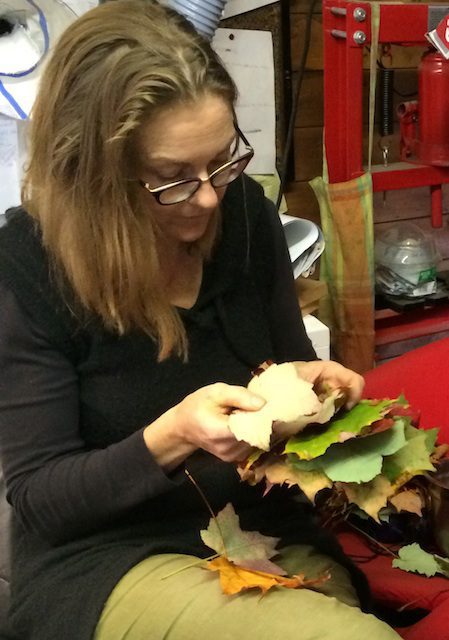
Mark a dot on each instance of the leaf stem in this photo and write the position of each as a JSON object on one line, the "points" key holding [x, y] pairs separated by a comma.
{"points": [[191, 564], [376, 542], [209, 508]]}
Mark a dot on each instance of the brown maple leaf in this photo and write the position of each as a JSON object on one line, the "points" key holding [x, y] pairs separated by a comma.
{"points": [[408, 500], [234, 579]]}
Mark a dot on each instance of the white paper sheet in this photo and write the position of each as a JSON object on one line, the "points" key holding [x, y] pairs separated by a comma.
{"points": [[248, 56], [9, 163], [235, 7]]}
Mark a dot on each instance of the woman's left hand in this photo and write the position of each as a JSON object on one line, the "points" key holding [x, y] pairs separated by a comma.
{"points": [[327, 373]]}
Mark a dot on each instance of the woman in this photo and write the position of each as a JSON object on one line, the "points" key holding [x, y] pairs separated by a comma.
{"points": [[142, 282]]}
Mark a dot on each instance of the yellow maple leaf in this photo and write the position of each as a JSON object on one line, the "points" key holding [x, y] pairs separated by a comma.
{"points": [[234, 579], [371, 496], [310, 482]]}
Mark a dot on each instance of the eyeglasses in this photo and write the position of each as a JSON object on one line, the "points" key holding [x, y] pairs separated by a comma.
{"points": [[182, 190]]}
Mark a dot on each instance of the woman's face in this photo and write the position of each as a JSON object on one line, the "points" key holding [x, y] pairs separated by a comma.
{"points": [[181, 142]]}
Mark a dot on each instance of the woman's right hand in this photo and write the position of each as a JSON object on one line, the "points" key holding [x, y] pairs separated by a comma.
{"points": [[200, 421]]}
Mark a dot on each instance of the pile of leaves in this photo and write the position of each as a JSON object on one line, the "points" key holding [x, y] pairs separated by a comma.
{"points": [[370, 460], [243, 558]]}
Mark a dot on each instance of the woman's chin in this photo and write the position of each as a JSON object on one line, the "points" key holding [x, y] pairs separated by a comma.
{"points": [[190, 229]]}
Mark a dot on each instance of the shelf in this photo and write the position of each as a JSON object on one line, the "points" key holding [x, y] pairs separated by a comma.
{"points": [[405, 175]]}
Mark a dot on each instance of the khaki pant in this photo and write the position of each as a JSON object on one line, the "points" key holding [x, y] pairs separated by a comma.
{"points": [[189, 605]]}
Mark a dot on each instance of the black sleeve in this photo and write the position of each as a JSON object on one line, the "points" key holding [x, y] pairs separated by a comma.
{"points": [[59, 489], [289, 336]]}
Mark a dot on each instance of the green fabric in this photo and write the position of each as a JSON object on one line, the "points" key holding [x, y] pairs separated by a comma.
{"points": [[271, 184], [161, 599], [347, 266]]}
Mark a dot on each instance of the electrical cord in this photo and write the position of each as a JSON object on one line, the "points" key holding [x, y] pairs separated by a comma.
{"points": [[291, 123]]}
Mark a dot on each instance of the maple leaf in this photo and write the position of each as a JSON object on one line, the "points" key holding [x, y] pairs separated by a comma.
{"points": [[254, 472], [310, 482], [357, 460], [248, 549], [441, 475], [413, 458], [407, 500], [413, 558], [291, 404], [234, 578], [361, 460], [377, 427], [313, 442], [371, 496]]}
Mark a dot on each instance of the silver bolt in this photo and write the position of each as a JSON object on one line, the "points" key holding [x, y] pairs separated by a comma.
{"points": [[359, 14], [359, 37]]}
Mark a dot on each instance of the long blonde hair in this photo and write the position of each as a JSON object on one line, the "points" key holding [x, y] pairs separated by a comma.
{"points": [[109, 71]]}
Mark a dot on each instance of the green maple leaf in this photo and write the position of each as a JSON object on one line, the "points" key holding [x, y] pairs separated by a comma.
{"points": [[361, 460], [413, 458], [431, 437], [358, 460], [413, 558], [312, 443], [249, 549]]}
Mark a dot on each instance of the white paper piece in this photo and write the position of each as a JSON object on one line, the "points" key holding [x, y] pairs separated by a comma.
{"points": [[305, 243], [235, 7], [81, 6], [9, 163], [248, 56]]}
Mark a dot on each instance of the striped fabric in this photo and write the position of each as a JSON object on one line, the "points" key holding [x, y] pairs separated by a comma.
{"points": [[347, 266]]}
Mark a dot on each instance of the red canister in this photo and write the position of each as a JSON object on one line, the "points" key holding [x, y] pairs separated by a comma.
{"points": [[434, 109]]}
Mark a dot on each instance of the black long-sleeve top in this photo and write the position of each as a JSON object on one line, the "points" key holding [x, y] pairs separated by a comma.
{"points": [[89, 500]]}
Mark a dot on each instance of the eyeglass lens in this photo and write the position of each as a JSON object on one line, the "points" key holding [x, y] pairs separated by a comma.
{"points": [[180, 192]]}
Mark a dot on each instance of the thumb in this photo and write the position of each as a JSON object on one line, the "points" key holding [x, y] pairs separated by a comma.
{"points": [[235, 397]]}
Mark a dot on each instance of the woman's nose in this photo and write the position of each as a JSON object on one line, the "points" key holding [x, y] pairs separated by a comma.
{"points": [[206, 197]]}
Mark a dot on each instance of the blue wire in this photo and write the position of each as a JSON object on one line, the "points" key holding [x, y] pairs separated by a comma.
{"points": [[15, 105]]}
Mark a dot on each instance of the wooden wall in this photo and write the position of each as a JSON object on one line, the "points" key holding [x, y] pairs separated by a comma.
{"points": [[412, 204]]}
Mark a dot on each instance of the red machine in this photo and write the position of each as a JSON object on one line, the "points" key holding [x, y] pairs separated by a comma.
{"points": [[347, 30], [424, 123]]}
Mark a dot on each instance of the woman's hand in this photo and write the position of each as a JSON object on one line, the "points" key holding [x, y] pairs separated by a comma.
{"points": [[200, 421], [327, 373]]}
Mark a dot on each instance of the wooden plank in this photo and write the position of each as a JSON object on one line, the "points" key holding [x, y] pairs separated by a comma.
{"points": [[310, 106], [301, 201], [308, 145], [309, 153], [298, 30], [401, 57], [405, 204], [302, 6]]}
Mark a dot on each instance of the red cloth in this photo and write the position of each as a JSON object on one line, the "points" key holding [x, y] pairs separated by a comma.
{"points": [[422, 376], [396, 589]]}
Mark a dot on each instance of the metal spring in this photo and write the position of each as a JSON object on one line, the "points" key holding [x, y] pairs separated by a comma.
{"points": [[386, 112]]}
